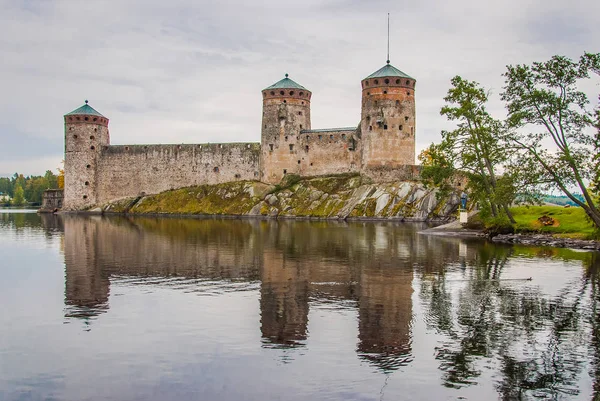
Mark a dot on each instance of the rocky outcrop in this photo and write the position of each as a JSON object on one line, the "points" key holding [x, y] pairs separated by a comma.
{"points": [[332, 197], [546, 240]]}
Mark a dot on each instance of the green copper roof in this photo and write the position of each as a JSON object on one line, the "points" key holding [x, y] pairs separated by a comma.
{"points": [[286, 83], [86, 110], [388, 70]]}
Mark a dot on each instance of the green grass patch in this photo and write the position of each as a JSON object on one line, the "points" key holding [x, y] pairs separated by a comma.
{"points": [[569, 222]]}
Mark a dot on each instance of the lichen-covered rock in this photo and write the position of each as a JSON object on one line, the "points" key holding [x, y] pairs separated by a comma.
{"points": [[334, 197]]}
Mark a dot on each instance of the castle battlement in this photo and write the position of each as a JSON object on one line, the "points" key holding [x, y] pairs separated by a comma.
{"points": [[381, 145]]}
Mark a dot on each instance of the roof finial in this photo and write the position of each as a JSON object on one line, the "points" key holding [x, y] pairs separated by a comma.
{"points": [[286, 74], [86, 101], [388, 44]]}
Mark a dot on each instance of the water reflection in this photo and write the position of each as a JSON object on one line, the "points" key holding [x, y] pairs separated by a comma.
{"points": [[482, 318]]}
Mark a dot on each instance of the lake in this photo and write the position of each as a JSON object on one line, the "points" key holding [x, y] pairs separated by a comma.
{"points": [[120, 308]]}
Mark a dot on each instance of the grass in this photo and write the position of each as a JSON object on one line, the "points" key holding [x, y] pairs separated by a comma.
{"points": [[570, 222]]}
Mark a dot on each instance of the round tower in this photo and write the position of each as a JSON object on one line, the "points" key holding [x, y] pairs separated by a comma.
{"points": [[86, 132], [286, 112], [388, 118]]}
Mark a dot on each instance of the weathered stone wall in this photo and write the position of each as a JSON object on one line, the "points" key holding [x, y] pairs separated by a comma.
{"points": [[388, 122], [286, 112], [382, 174], [132, 170], [52, 199], [328, 151], [84, 138]]}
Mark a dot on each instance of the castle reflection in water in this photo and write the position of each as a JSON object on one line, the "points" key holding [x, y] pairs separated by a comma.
{"points": [[365, 267]]}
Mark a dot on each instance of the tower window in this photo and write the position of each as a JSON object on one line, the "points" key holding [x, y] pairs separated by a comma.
{"points": [[368, 118], [384, 126], [95, 118], [397, 102], [92, 137], [302, 102], [285, 101], [86, 183], [281, 93], [300, 126], [298, 161], [408, 93], [370, 128], [307, 137], [306, 148], [88, 166], [407, 82], [387, 81], [400, 127], [343, 136], [85, 118], [75, 136], [270, 147], [286, 138], [405, 118], [272, 93], [95, 129], [126, 147], [291, 93], [412, 130], [84, 196], [368, 93], [291, 147], [397, 82], [216, 169], [302, 94], [385, 92], [299, 113], [331, 137], [284, 171], [92, 147], [238, 176], [376, 82], [320, 137], [366, 83]]}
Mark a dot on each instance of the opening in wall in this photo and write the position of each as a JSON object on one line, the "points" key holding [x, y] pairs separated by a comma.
{"points": [[331, 137], [216, 169], [384, 126], [86, 183], [400, 128], [284, 171], [306, 148], [84, 196], [291, 147], [320, 137], [343, 136], [298, 161], [270, 147], [412, 130], [238, 176]]}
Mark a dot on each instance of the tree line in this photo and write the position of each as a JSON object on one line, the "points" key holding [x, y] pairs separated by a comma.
{"points": [[19, 190], [550, 140]]}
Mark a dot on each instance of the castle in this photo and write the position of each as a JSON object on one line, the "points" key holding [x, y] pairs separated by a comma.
{"points": [[382, 146]]}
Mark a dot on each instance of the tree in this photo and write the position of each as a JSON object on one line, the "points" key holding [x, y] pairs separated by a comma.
{"points": [[477, 146], [19, 197], [438, 169], [544, 96]]}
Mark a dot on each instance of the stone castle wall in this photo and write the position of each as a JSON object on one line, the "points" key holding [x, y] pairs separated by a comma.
{"points": [[130, 170]]}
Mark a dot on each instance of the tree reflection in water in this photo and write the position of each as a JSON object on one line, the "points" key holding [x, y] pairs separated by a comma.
{"points": [[542, 343]]}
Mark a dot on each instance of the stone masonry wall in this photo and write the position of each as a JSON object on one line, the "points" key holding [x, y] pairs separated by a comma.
{"points": [[132, 170], [327, 151]]}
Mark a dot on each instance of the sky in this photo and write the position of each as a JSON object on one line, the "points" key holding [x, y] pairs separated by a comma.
{"points": [[192, 71]]}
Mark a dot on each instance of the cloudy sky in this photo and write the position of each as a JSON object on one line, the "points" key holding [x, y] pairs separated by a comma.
{"points": [[192, 71]]}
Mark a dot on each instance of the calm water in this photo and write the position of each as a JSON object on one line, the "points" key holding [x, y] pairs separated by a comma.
{"points": [[166, 309]]}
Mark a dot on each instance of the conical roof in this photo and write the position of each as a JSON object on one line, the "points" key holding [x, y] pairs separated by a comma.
{"points": [[86, 109], [388, 70], [286, 83]]}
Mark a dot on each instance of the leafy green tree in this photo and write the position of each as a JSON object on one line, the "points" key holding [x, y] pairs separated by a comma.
{"points": [[34, 189], [544, 97], [437, 168], [477, 146], [51, 180], [19, 197]]}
